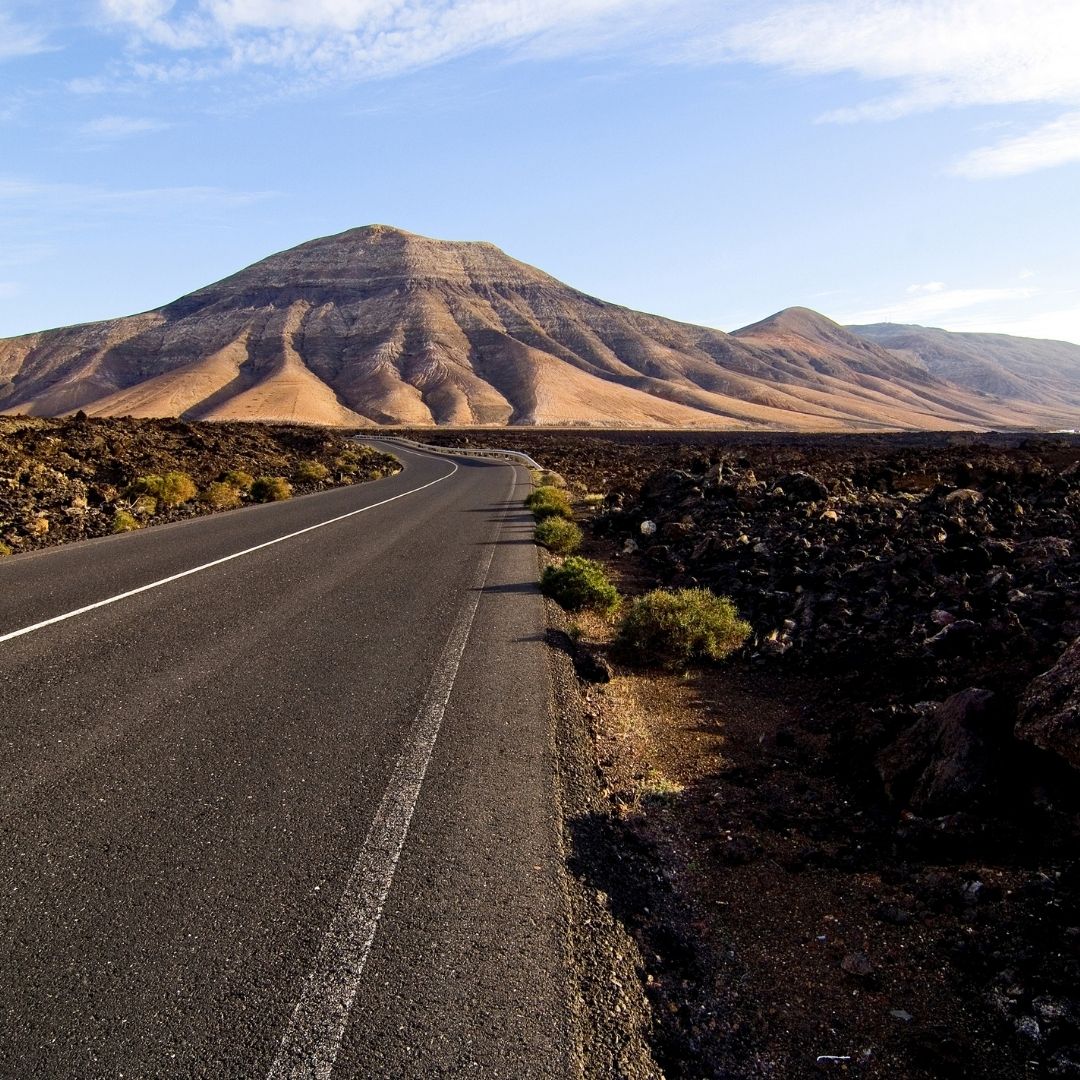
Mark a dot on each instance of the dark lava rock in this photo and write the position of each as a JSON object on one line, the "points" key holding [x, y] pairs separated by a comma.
{"points": [[857, 964], [946, 760], [955, 639], [1049, 713], [803, 487], [590, 664]]}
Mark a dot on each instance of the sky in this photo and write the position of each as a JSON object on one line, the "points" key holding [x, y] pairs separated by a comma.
{"points": [[714, 161]]}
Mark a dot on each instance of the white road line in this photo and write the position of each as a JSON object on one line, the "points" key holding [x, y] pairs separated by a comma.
{"points": [[312, 1040], [218, 562]]}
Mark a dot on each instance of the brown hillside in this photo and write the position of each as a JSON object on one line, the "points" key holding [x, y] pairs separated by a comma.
{"points": [[380, 326]]}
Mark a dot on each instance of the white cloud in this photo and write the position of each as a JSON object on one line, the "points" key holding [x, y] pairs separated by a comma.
{"points": [[143, 13], [1055, 143], [921, 307], [84, 197], [1061, 324], [356, 39], [16, 40], [1018, 310], [927, 287], [936, 54], [927, 54], [108, 128]]}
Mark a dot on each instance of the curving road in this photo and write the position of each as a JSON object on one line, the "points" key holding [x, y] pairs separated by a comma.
{"points": [[292, 814]]}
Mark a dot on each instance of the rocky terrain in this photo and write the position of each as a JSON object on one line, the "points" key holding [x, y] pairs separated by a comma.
{"points": [[76, 478], [868, 822], [380, 326]]}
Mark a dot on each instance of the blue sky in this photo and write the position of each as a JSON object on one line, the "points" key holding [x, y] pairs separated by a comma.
{"points": [[878, 160]]}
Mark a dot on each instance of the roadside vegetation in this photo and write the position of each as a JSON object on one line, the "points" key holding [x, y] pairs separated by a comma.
{"points": [[675, 628], [664, 628], [578, 584], [548, 501], [559, 536], [74, 478]]}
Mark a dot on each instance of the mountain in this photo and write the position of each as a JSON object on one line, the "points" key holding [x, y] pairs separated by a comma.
{"points": [[380, 326], [1021, 368]]}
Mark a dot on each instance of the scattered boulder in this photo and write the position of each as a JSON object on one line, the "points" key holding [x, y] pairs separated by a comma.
{"points": [[802, 487], [947, 759], [1049, 714], [590, 664]]}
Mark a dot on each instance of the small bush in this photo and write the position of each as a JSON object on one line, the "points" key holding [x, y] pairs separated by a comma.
{"points": [[547, 478], [671, 628], [271, 489], [549, 502], [238, 479], [579, 583], [4, 550], [170, 489], [593, 499], [558, 535], [220, 496], [144, 506], [310, 472], [124, 522]]}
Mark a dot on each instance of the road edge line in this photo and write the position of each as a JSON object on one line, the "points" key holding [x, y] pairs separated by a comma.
{"points": [[312, 1039]]}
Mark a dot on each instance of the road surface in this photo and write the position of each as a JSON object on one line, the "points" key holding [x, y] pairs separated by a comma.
{"points": [[290, 813]]}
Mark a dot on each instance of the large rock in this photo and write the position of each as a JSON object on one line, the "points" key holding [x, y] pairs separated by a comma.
{"points": [[1049, 713], [948, 759]]}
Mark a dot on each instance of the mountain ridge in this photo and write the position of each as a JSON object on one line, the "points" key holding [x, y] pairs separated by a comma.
{"points": [[1038, 370], [377, 325]]}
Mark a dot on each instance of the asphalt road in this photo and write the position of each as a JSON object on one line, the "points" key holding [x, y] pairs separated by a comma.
{"points": [[291, 815]]}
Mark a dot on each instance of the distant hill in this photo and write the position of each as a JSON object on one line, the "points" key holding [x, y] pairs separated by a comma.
{"points": [[380, 326], [1020, 368]]}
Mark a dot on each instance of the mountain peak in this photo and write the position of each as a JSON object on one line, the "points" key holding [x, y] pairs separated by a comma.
{"points": [[377, 325], [802, 321]]}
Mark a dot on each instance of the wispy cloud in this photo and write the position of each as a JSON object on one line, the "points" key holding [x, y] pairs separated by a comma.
{"points": [[82, 197], [919, 306], [1058, 324], [926, 54], [1021, 310], [18, 40], [356, 39], [935, 54], [110, 128], [1055, 143]]}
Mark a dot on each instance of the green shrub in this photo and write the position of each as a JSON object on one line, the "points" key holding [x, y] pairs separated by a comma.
{"points": [[220, 496], [593, 499], [671, 628], [124, 522], [579, 583], [558, 535], [4, 550], [271, 489], [549, 502], [238, 479], [547, 478], [171, 489], [310, 472], [144, 506]]}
